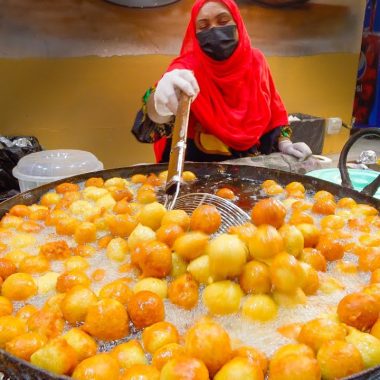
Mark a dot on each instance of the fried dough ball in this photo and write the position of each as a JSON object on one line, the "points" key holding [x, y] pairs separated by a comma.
{"points": [[346, 203], [295, 186], [6, 306], [38, 212], [333, 221], [84, 250], [244, 231], [85, 233], [363, 209], [25, 345], [225, 193], [156, 259], [146, 194], [165, 353], [286, 273], [76, 303], [119, 194], [107, 320], [268, 211], [255, 278], [253, 355], [20, 210], [140, 235], [183, 291], [122, 207], [375, 276], [122, 224], [16, 256], [30, 226], [259, 307], [292, 238], [19, 287], [179, 217], [168, 233], [301, 217], [191, 245], [293, 349], [274, 190], [205, 218], [375, 330], [154, 285], [21, 240], [188, 176], [118, 289], [227, 255], [76, 262], [10, 328], [34, 264], [359, 310], [55, 250], [7, 267], [318, 331], [83, 344], [184, 368], [129, 354], [145, 308], [369, 258], [310, 234], [268, 183], [265, 243], [158, 335], [65, 187], [324, 206], [47, 282], [290, 299], [314, 258], [94, 181], [338, 359], [117, 249], [294, 367], [199, 268], [179, 265], [26, 312], [311, 279], [210, 343], [50, 199], [98, 367], [240, 368], [138, 178], [332, 249], [141, 372], [48, 322], [222, 297], [151, 215], [107, 202], [68, 280]]}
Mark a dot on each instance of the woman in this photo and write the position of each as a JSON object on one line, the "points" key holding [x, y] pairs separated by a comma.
{"points": [[236, 111]]}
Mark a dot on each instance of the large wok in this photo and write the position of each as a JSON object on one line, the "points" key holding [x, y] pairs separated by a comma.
{"points": [[13, 368]]}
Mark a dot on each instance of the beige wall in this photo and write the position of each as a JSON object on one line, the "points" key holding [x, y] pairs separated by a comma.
{"points": [[90, 103]]}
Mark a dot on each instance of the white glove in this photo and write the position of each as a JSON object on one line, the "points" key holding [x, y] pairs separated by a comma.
{"points": [[166, 95], [299, 150]]}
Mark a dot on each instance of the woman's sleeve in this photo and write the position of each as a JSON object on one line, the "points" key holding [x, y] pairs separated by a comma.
{"points": [[146, 130]]}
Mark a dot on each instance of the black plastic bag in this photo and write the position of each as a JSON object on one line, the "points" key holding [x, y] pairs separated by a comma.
{"points": [[12, 149]]}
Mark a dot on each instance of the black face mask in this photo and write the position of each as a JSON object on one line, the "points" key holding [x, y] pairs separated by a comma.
{"points": [[218, 42]]}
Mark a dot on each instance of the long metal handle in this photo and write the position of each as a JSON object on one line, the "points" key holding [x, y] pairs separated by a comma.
{"points": [[178, 147]]}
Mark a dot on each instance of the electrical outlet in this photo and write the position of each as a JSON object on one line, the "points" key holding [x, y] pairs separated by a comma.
{"points": [[333, 125]]}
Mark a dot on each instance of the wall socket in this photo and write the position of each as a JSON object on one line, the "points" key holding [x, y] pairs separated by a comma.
{"points": [[333, 125]]}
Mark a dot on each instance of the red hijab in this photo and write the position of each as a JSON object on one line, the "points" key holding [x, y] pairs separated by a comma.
{"points": [[238, 102]]}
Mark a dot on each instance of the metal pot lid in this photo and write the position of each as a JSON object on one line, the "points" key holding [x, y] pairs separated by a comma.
{"points": [[142, 3]]}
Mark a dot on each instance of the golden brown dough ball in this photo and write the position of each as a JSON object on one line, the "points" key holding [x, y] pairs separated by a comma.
{"points": [[121, 225], [68, 280], [6, 306], [346, 203], [318, 331], [168, 233], [191, 245], [332, 249], [324, 206], [138, 178], [26, 312], [145, 308], [205, 218], [57, 356], [184, 368], [265, 243], [34, 264], [359, 310], [259, 307], [10, 328], [286, 273], [146, 194], [294, 367], [188, 176], [253, 355], [338, 359], [240, 368], [268, 211], [158, 335], [66, 187], [141, 372], [199, 268], [314, 258], [84, 345], [98, 367], [227, 256], [310, 234], [183, 291], [19, 287], [293, 239], [7, 267], [85, 233], [225, 193], [56, 250], [301, 217], [25, 345], [295, 186], [165, 353], [107, 320], [179, 217], [151, 215], [255, 278], [94, 181], [47, 321], [244, 231], [129, 353], [76, 303], [292, 349], [118, 289], [333, 221], [155, 285], [20, 210], [311, 279], [156, 259], [222, 297], [210, 343]]}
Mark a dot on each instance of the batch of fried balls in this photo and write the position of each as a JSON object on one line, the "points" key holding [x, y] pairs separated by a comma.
{"points": [[87, 273]]}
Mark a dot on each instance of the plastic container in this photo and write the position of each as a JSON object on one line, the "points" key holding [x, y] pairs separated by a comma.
{"points": [[359, 178], [39, 168]]}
